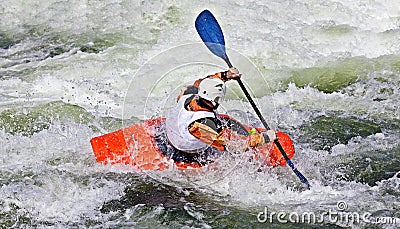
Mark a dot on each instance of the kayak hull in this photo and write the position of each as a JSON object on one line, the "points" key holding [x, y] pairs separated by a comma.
{"points": [[136, 145]]}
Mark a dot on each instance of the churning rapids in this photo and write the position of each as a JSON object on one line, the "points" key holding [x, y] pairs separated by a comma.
{"points": [[326, 72]]}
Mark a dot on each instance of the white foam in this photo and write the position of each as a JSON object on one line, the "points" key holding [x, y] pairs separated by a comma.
{"points": [[275, 34]]}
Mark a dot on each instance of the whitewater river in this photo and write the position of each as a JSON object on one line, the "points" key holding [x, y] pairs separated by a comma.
{"points": [[327, 72]]}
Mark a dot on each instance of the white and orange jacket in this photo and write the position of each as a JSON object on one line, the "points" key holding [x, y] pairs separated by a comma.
{"points": [[187, 133]]}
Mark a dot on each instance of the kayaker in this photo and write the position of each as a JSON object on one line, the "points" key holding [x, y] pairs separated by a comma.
{"points": [[194, 125]]}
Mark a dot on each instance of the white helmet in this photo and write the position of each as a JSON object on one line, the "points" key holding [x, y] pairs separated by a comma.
{"points": [[212, 89]]}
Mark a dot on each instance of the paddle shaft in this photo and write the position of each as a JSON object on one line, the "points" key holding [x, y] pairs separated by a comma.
{"points": [[261, 117], [249, 98]]}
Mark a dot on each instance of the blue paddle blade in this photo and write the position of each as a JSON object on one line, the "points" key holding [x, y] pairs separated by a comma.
{"points": [[211, 34]]}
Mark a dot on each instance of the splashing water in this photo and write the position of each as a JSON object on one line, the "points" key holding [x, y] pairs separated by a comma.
{"points": [[325, 72]]}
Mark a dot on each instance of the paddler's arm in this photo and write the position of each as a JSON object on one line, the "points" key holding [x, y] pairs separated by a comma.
{"points": [[208, 135], [230, 74], [221, 139]]}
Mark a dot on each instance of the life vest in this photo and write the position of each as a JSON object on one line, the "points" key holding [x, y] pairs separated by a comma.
{"points": [[177, 127]]}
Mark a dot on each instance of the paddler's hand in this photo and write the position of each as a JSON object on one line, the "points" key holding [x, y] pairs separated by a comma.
{"points": [[233, 74], [255, 138]]}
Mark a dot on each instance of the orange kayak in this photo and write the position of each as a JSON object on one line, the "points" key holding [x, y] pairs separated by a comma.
{"points": [[144, 146]]}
